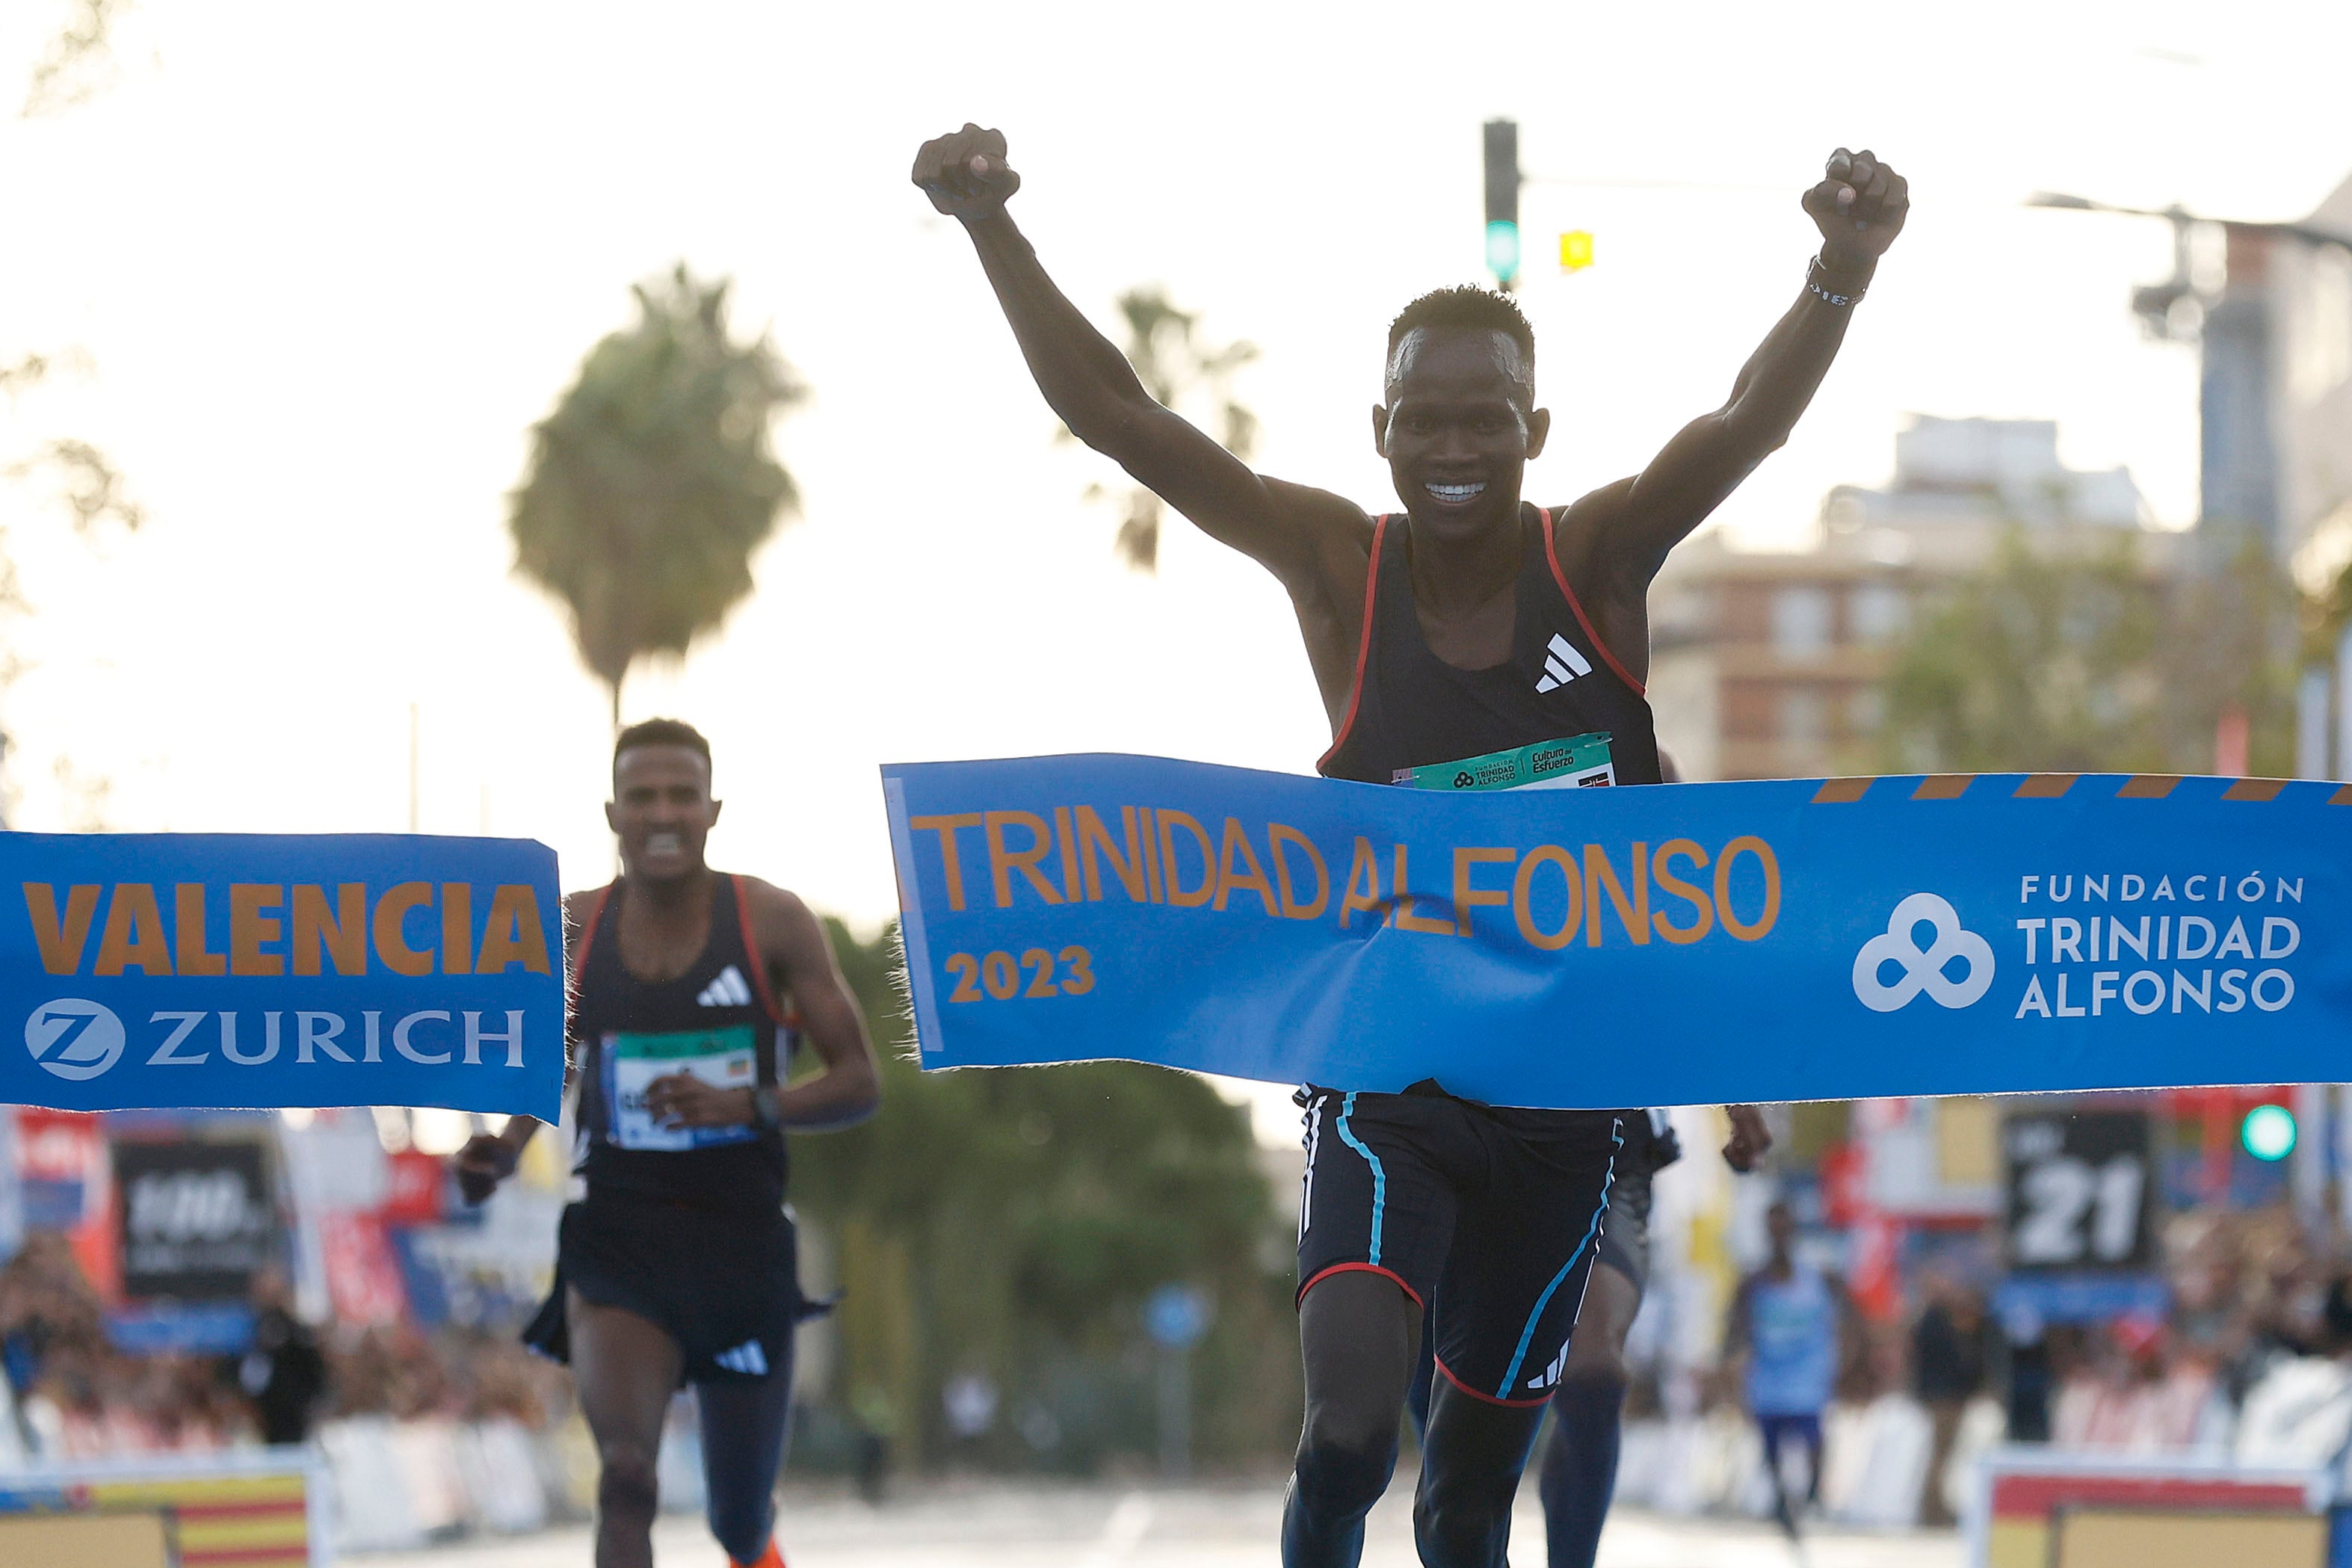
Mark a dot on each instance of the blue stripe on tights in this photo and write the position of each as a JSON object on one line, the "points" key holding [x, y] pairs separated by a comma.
{"points": [[1510, 1375], [1380, 1176]]}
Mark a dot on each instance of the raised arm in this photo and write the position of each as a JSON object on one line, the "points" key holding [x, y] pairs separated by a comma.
{"points": [[1859, 206], [1090, 384]]}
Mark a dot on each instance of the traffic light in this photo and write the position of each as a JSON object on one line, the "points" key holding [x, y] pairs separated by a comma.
{"points": [[2268, 1132], [1503, 201], [1576, 250]]}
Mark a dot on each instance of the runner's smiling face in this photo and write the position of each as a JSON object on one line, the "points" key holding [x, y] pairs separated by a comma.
{"points": [[1458, 427], [661, 811]]}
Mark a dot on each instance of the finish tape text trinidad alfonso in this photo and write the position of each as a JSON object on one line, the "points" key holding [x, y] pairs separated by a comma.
{"points": [[1783, 940]]}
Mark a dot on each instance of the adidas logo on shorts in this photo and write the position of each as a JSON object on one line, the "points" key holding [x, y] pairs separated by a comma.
{"points": [[729, 990], [1549, 1376], [747, 1358]]}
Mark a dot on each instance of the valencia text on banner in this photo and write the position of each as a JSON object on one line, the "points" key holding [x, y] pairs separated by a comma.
{"points": [[1790, 939], [248, 969]]}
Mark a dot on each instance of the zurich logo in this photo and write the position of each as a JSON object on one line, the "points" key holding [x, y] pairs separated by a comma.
{"points": [[75, 1039], [1928, 970]]}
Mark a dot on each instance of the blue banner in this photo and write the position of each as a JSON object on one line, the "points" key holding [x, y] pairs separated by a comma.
{"points": [[250, 970], [1679, 944]]}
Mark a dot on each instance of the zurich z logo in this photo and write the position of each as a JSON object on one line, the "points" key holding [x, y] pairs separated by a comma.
{"points": [[86, 1038], [1562, 664]]}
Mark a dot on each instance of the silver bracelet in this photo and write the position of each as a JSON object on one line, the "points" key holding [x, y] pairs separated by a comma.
{"points": [[1814, 273]]}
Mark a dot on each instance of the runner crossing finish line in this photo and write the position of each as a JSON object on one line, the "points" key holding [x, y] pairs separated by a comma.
{"points": [[1471, 625]]}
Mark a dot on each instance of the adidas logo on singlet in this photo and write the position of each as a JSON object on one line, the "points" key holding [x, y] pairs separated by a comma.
{"points": [[747, 1358], [729, 990], [1562, 664]]}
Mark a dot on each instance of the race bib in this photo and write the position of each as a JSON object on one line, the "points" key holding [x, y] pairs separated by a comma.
{"points": [[727, 1058], [1580, 761]]}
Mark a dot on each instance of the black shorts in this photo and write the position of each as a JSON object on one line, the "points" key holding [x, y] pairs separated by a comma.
{"points": [[724, 1282], [1488, 1217]]}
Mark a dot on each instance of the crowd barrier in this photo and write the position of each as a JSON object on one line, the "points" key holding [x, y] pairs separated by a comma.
{"points": [[404, 1485], [2039, 1508], [264, 1508], [1874, 1463], [398, 1486]]}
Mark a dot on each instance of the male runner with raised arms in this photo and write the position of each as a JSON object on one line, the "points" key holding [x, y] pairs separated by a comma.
{"points": [[1471, 623], [677, 1263]]}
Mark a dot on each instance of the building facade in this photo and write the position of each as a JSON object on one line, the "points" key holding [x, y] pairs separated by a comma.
{"points": [[1768, 664]]}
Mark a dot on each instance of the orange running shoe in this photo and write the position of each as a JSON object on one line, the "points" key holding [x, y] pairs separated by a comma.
{"points": [[771, 1558]]}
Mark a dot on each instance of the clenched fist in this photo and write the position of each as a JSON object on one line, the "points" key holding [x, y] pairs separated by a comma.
{"points": [[1750, 1139], [1859, 206], [681, 1100], [965, 174], [485, 1162]]}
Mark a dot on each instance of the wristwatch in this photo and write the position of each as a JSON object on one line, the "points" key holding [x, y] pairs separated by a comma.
{"points": [[766, 1107]]}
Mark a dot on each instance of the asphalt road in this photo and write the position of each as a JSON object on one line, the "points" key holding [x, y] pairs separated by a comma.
{"points": [[975, 1526]]}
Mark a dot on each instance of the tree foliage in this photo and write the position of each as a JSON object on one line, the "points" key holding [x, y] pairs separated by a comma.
{"points": [[655, 479], [65, 471], [80, 62], [2084, 659], [1181, 372], [1010, 1223]]}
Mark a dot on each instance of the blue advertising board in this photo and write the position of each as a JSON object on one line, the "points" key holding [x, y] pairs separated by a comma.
{"points": [[198, 970]]}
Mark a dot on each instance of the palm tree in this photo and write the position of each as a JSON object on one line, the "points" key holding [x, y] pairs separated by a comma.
{"points": [[653, 481], [1174, 366]]}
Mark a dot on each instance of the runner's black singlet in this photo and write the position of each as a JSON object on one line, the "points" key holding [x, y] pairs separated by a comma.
{"points": [[1411, 709], [719, 1019]]}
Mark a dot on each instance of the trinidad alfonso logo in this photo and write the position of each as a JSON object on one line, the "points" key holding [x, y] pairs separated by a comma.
{"points": [[75, 1039], [1928, 970]]}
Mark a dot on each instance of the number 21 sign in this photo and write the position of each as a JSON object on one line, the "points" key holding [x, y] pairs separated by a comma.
{"points": [[2079, 1189]]}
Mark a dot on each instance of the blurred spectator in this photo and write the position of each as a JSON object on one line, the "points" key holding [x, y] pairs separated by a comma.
{"points": [[47, 1307], [2336, 1316], [1784, 1334], [2138, 1396], [79, 1397], [1951, 1353], [283, 1372], [2284, 1310], [876, 1416]]}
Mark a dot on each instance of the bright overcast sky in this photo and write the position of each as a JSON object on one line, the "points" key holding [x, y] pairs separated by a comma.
{"points": [[329, 263]]}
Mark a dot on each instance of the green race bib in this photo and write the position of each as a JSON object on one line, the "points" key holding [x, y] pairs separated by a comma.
{"points": [[1577, 762], [727, 1058]]}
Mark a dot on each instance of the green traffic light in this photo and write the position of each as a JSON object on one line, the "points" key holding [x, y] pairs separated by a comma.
{"points": [[2268, 1132], [1503, 250]]}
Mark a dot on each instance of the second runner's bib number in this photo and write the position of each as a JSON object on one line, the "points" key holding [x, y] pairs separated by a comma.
{"points": [[725, 1058]]}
